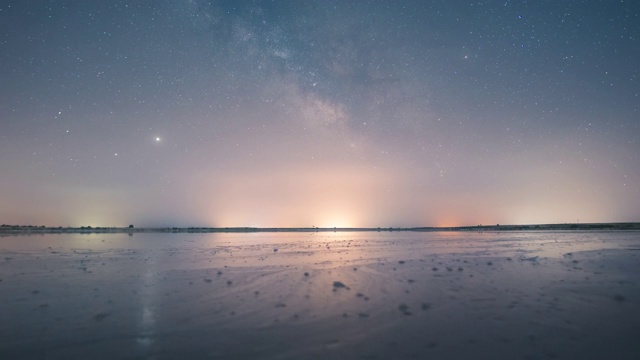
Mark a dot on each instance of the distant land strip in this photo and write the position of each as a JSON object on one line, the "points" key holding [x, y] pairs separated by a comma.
{"points": [[32, 229]]}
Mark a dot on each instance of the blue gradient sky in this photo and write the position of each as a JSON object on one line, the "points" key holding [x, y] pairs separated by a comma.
{"points": [[319, 113]]}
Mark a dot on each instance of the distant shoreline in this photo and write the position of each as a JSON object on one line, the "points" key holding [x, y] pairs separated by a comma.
{"points": [[30, 229]]}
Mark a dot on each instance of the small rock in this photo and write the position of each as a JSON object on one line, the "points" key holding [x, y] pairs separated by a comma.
{"points": [[619, 298], [404, 308], [100, 316], [338, 284]]}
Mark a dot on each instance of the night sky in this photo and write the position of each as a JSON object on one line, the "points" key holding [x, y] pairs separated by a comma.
{"points": [[319, 113]]}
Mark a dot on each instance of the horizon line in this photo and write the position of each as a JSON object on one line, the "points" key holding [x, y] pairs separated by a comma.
{"points": [[204, 229]]}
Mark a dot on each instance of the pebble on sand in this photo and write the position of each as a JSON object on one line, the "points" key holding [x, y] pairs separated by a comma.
{"points": [[405, 309], [338, 285], [619, 298], [532, 258], [100, 316]]}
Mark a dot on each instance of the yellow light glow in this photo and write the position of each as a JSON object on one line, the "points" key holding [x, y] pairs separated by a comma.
{"points": [[341, 221], [312, 197]]}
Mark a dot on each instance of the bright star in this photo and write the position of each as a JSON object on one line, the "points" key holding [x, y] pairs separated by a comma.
{"points": [[157, 139]]}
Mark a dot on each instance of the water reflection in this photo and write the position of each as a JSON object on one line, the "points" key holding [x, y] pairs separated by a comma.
{"points": [[320, 295], [147, 317]]}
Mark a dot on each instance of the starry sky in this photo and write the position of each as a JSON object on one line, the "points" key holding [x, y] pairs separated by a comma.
{"points": [[319, 113]]}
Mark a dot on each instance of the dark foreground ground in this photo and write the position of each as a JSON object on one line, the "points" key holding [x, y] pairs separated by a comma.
{"points": [[365, 295]]}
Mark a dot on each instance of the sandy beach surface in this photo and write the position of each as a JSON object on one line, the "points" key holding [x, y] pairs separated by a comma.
{"points": [[367, 295]]}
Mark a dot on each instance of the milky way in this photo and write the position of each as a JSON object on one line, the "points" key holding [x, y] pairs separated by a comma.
{"points": [[319, 113]]}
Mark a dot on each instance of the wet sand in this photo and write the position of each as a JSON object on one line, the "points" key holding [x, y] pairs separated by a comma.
{"points": [[367, 295]]}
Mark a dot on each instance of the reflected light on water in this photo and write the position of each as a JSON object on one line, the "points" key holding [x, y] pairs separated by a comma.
{"points": [[147, 317], [220, 293]]}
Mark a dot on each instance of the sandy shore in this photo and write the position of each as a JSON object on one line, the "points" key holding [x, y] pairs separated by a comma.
{"points": [[543, 295]]}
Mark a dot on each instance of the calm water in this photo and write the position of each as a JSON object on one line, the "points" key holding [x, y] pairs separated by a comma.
{"points": [[521, 295]]}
